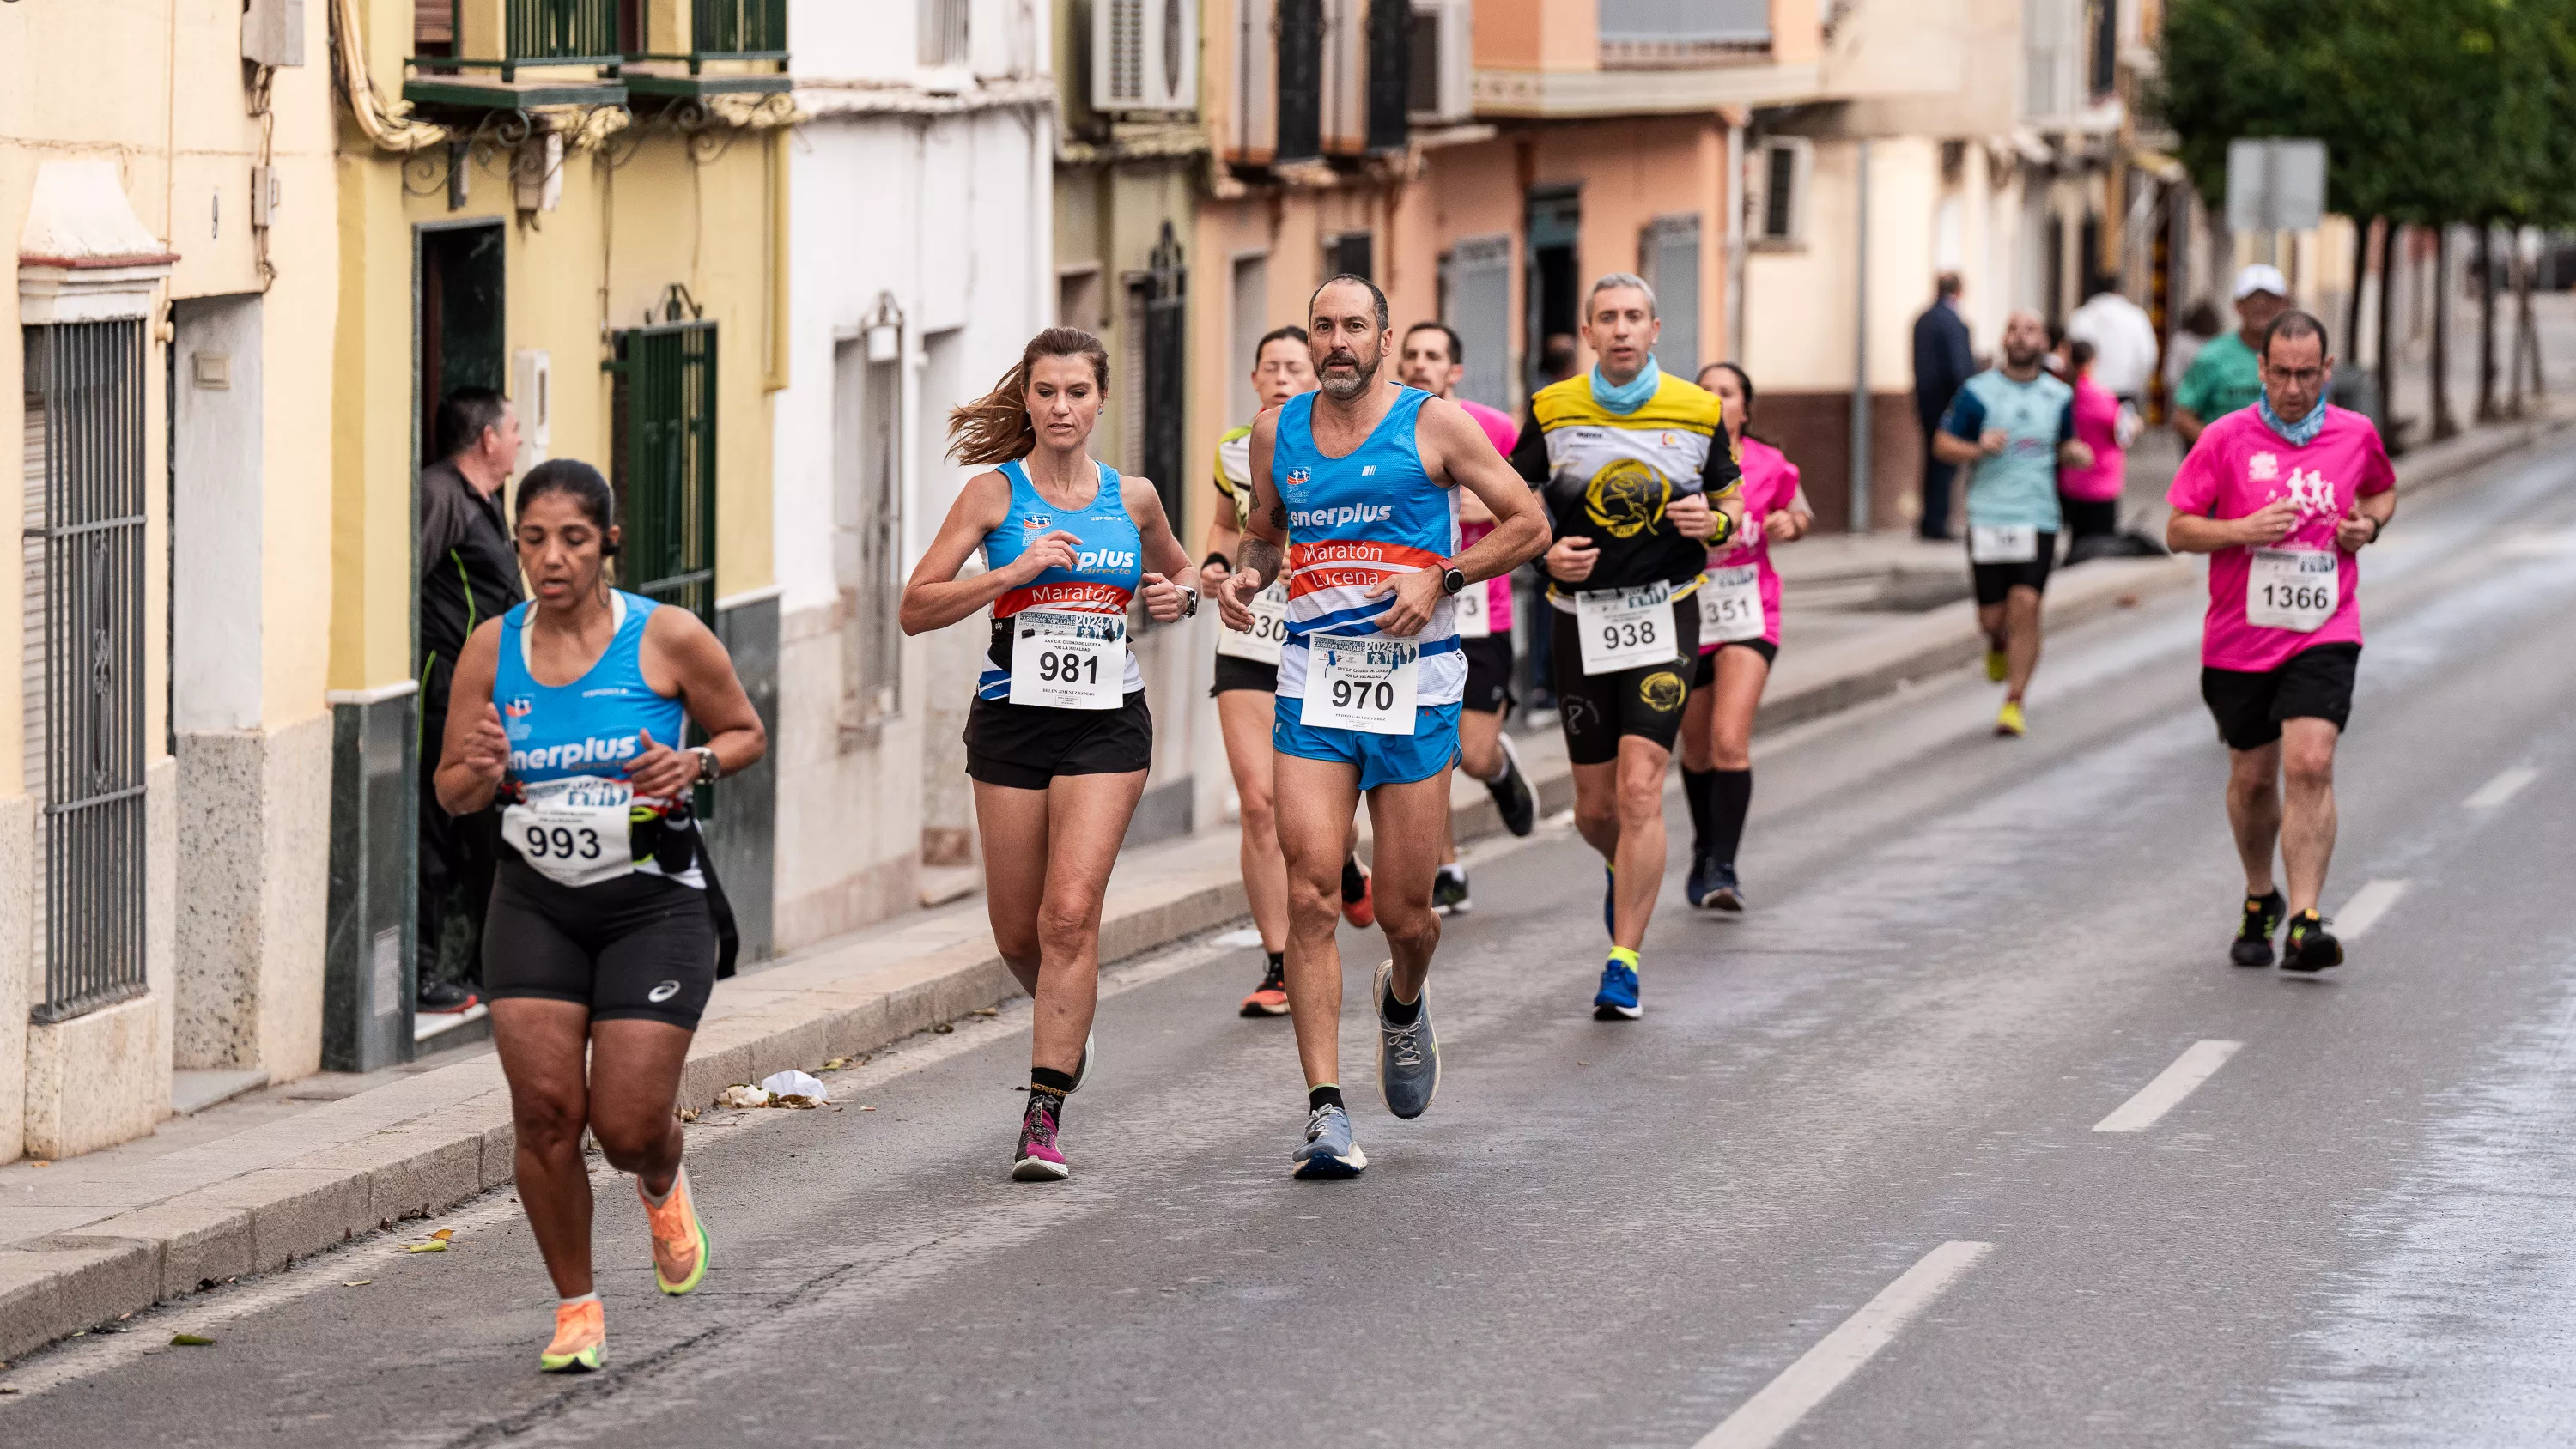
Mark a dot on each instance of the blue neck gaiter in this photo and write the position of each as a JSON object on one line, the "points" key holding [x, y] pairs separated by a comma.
{"points": [[2298, 434], [1631, 397]]}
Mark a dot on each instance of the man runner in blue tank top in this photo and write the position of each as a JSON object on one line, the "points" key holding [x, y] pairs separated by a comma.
{"points": [[1352, 484]]}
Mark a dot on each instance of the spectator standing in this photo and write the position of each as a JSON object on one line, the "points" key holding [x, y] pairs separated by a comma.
{"points": [[2228, 373], [2123, 338], [2090, 495], [1943, 361], [2198, 326]]}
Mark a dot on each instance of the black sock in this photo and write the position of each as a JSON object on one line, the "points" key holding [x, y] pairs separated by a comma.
{"points": [[1318, 1098], [1730, 795], [1400, 1013], [1354, 885], [1695, 791], [1278, 962], [1048, 1079]]}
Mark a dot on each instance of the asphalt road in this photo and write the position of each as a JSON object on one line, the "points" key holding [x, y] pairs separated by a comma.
{"points": [[1842, 1186]]}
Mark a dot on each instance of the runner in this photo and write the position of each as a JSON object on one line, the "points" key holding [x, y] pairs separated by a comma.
{"points": [[2015, 424], [1433, 360], [1058, 738], [2281, 495], [601, 938], [1361, 504], [1247, 675], [1640, 479], [1739, 639]]}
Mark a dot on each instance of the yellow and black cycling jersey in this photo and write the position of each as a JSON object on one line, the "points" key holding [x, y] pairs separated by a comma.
{"points": [[1234, 472], [1609, 477]]}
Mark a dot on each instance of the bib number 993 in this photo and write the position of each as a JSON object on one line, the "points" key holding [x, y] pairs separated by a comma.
{"points": [[560, 842]]}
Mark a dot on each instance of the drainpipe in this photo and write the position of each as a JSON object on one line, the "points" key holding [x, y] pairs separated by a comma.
{"points": [[1735, 237], [1860, 350]]}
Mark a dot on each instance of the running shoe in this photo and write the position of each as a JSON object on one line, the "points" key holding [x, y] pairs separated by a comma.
{"points": [[1702, 882], [1270, 998], [445, 998], [581, 1339], [1998, 666], [1359, 909], [1408, 1056], [1329, 1151], [1082, 1068], [2009, 720], [2311, 947], [1038, 1159], [1514, 800], [679, 1239], [2254, 935], [1724, 894], [1610, 900], [1449, 893], [1617, 998]]}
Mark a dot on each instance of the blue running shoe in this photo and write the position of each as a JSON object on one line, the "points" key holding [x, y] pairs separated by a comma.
{"points": [[1724, 893], [1329, 1151], [1700, 885], [1408, 1056], [1617, 998], [1610, 901]]}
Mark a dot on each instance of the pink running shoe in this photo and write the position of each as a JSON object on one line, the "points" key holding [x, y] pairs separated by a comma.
{"points": [[1039, 1159]]}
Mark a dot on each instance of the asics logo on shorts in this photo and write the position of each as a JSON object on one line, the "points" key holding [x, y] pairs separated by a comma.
{"points": [[1336, 517], [663, 992]]}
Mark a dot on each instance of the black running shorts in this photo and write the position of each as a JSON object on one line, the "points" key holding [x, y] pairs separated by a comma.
{"points": [[1705, 675], [1233, 673], [1489, 672], [1023, 746], [1995, 580], [2315, 683], [641, 946], [1597, 710]]}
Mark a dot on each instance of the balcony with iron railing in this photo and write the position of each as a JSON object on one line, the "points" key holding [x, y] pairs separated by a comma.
{"points": [[521, 53]]}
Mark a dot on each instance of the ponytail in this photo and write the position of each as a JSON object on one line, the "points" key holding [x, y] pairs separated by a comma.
{"points": [[995, 428]]}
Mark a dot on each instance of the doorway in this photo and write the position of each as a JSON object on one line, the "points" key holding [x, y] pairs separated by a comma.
{"points": [[1555, 226], [461, 321]]}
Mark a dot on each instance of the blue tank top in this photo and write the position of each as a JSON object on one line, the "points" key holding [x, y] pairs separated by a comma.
{"points": [[593, 725], [1355, 522], [1108, 567]]}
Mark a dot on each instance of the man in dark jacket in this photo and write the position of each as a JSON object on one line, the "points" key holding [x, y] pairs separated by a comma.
{"points": [[469, 572], [1942, 361]]}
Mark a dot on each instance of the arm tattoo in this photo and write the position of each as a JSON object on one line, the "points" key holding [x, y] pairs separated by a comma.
{"points": [[1260, 559], [1279, 515]]}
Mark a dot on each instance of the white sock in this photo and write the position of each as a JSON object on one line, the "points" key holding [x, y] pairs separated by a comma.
{"points": [[1454, 870], [590, 1297], [659, 1198]]}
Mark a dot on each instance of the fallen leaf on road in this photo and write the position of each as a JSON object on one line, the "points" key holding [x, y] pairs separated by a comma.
{"points": [[867, 1109], [190, 1340], [835, 1064], [357, 1283], [742, 1094], [688, 1114], [436, 1246], [988, 1011], [443, 1234], [38, 1162]]}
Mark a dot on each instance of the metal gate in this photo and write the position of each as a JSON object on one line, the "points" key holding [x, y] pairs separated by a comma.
{"points": [[1167, 286], [665, 471], [82, 545]]}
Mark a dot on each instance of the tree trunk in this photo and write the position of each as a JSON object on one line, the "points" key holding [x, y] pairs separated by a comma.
{"points": [[2486, 323], [2444, 425], [2530, 328], [2390, 236]]}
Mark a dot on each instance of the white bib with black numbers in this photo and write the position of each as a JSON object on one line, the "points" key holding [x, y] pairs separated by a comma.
{"points": [[1260, 643], [1470, 607], [1730, 604], [1626, 628], [573, 830], [2293, 588], [2003, 545], [1364, 684], [1068, 661]]}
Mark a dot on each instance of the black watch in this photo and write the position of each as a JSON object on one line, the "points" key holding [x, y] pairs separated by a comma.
{"points": [[1452, 581], [1190, 610], [709, 767]]}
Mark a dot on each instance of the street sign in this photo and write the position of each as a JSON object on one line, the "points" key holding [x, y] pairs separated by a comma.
{"points": [[2275, 183]]}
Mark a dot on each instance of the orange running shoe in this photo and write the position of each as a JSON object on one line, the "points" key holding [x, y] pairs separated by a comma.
{"points": [[679, 1239], [1270, 998], [581, 1337], [1358, 907]]}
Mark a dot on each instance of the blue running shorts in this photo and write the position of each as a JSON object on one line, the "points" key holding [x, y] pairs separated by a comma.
{"points": [[1383, 759]]}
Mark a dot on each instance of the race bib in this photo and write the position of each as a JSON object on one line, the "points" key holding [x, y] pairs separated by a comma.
{"points": [[1475, 617], [573, 831], [1626, 628], [1730, 604], [2293, 588], [1269, 630], [2003, 545], [1360, 684], [1068, 661]]}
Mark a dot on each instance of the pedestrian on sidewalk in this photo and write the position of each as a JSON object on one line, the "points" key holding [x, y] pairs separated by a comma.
{"points": [[1943, 362], [2090, 496], [1560, 357], [2123, 338], [605, 933], [2226, 374], [1058, 738]]}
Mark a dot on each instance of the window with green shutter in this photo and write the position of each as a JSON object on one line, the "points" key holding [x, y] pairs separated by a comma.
{"points": [[665, 467]]}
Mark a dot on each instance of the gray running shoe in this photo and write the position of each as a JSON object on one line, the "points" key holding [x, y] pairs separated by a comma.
{"points": [[1408, 1057], [1329, 1151]]}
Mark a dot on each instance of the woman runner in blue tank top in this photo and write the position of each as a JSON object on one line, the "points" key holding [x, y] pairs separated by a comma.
{"points": [[600, 945], [1058, 739]]}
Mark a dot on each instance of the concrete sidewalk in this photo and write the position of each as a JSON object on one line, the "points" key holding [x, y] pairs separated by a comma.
{"points": [[86, 1240]]}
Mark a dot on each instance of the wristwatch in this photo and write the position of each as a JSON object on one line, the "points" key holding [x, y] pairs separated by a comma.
{"points": [[1190, 610], [1452, 581], [708, 766]]}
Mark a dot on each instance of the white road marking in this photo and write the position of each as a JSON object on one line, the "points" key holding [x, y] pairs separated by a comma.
{"points": [[2503, 787], [1776, 1410], [2198, 1063], [2365, 908]]}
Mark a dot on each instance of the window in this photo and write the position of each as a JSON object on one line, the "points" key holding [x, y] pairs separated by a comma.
{"points": [[82, 647], [1480, 311], [1078, 302], [1657, 33], [867, 473], [1251, 318], [665, 474], [1301, 80], [2051, 45], [2102, 50], [1670, 262], [1353, 252], [1786, 162], [1165, 314], [1390, 38], [943, 32]]}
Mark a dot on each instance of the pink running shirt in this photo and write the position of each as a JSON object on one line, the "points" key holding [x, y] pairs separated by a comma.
{"points": [[2097, 426], [2238, 466], [1498, 425], [1770, 484]]}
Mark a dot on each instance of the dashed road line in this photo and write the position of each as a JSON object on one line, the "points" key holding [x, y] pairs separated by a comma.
{"points": [[1773, 1412], [2198, 1063], [2503, 787], [2365, 908]]}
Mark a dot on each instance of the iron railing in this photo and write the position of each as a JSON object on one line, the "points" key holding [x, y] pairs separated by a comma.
{"points": [[665, 469], [719, 30], [560, 32], [83, 549]]}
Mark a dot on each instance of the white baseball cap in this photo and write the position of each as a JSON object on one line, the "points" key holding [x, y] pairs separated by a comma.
{"points": [[2261, 277]]}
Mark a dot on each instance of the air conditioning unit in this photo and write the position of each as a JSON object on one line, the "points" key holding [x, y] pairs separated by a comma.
{"points": [[1444, 51], [1144, 56]]}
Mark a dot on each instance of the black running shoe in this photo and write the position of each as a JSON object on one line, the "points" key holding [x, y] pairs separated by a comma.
{"points": [[445, 998], [1514, 800], [2254, 936], [1449, 893], [2311, 947]]}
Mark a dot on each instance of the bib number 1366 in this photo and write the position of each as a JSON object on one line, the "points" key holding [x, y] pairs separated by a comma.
{"points": [[2292, 588]]}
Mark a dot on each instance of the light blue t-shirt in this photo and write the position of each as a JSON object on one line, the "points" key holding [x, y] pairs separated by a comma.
{"points": [[2016, 488]]}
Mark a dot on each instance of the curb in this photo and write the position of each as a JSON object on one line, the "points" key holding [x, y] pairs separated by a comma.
{"points": [[827, 1004]]}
